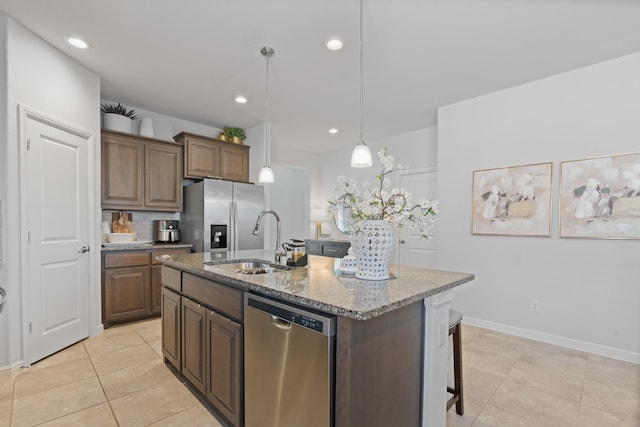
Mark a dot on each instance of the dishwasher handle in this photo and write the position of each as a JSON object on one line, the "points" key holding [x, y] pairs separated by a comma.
{"points": [[280, 323]]}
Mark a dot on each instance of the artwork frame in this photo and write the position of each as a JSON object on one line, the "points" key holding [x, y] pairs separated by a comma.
{"points": [[512, 201], [600, 197]]}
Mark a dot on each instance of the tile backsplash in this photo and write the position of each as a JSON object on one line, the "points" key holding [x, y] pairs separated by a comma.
{"points": [[143, 221]]}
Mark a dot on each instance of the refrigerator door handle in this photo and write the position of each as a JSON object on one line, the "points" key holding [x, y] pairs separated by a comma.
{"points": [[231, 238], [235, 226]]}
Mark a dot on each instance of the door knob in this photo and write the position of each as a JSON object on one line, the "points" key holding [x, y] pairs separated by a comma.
{"points": [[401, 242], [83, 249]]}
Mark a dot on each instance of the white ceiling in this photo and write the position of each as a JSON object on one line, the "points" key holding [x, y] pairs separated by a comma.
{"points": [[189, 58]]}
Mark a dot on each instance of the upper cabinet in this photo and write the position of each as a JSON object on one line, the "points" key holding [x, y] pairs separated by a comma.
{"points": [[206, 157], [140, 173]]}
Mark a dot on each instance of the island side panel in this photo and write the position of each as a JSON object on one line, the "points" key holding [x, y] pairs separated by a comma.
{"points": [[379, 369]]}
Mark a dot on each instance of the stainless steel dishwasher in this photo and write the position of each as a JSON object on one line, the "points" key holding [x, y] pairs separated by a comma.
{"points": [[289, 365]]}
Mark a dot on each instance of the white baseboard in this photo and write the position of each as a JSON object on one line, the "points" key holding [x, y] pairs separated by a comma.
{"points": [[587, 347]]}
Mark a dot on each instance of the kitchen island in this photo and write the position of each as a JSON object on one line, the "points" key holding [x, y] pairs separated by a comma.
{"points": [[391, 336]]}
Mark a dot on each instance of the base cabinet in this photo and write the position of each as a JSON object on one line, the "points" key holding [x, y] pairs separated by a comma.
{"points": [[131, 284], [171, 328], [193, 343], [202, 340], [225, 366]]}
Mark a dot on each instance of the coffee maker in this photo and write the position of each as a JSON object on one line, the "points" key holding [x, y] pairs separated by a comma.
{"points": [[166, 231]]}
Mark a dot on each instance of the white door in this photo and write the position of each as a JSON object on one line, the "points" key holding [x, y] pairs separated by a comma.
{"points": [[57, 294], [412, 249]]}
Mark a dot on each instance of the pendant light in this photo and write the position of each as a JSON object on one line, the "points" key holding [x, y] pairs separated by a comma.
{"points": [[266, 173], [361, 156]]}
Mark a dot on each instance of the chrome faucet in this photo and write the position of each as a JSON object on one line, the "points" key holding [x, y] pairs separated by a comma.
{"points": [[279, 252]]}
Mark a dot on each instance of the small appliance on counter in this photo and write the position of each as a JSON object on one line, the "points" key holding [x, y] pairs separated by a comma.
{"points": [[296, 256], [166, 231]]}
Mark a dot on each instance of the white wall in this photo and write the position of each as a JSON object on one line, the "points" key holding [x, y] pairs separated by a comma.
{"points": [[589, 290], [45, 80], [416, 149], [4, 229]]}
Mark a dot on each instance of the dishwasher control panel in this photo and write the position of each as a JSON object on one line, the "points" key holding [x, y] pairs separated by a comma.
{"points": [[313, 321]]}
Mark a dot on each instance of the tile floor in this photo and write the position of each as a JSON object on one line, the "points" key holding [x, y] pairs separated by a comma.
{"points": [[119, 379]]}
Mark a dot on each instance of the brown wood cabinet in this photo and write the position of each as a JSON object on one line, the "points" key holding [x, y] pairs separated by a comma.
{"points": [[209, 348], [171, 327], [131, 284], [140, 173], [206, 157], [194, 322], [224, 365]]}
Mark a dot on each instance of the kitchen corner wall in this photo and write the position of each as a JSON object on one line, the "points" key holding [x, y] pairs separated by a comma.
{"points": [[588, 290]]}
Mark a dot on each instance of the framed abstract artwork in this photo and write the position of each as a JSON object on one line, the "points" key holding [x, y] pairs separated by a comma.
{"points": [[600, 197], [512, 201]]}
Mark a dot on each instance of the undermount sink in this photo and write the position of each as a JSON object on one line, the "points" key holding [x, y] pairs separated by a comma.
{"points": [[246, 267]]}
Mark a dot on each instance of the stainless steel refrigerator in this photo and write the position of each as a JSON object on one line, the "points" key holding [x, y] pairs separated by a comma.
{"points": [[220, 215]]}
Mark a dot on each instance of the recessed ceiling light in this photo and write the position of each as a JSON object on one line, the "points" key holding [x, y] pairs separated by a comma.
{"points": [[333, 130], [77, 42], [241, 99], [334, 44]]}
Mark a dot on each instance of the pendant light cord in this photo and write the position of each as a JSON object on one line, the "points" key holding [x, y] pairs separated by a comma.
{"points": [[361, 79], [266, 126]]}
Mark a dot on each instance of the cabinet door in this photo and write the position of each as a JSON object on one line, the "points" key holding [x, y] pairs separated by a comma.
{"points": [[193, 343], [234, 162], [224, 366], [163, 177], [156, 289], [171, 346], [201, 159], [122, 173], [126, 293]]}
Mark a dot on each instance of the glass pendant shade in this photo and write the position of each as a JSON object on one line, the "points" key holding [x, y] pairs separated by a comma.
{"points": [[266, 175], [361, 156]]}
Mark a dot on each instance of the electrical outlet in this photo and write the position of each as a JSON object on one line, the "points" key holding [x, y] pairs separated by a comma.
{"points": [[535, 305]]}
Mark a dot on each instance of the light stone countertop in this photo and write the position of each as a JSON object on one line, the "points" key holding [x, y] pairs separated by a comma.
{"points": [[319, 287]]}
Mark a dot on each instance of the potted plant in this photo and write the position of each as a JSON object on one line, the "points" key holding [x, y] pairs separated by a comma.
{"points": [[234, 134], [118, 117]]}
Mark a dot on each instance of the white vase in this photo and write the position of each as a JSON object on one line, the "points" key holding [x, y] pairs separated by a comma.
{"points": [[146, 127], [373, 246], [118, 122]]}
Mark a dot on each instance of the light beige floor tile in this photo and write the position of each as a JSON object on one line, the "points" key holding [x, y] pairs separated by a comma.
{"points": [[196, 416], [472, 409], [480, 385], [534, 404], [623, 375], [157, 347], [54, 403], [146, 324], [609, 398], [152, 333], [74, 352], [113, 343], [6, 389], [488, 361], [123, 358], [5, 413], [36, 381], [557, 358], [557, 382], [592, 417], [95, 416], [135, 378], [152, 404], [126, 328], [495, 417]]}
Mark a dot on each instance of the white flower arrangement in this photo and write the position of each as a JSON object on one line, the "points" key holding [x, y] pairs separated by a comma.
{"points": [[381, 203]]}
